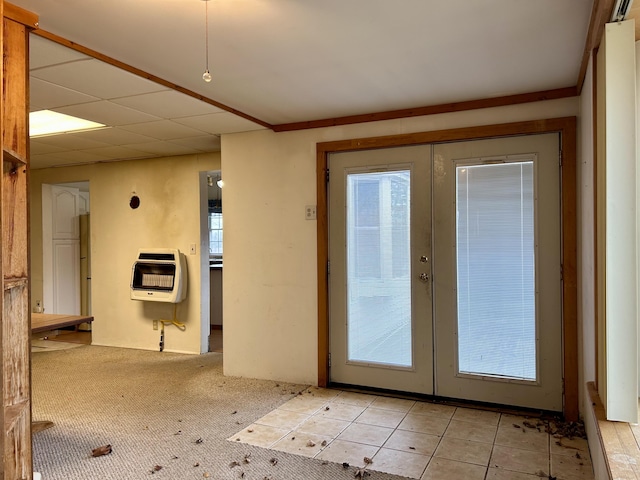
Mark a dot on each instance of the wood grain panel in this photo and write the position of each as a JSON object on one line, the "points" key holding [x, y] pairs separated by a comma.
{"points": [[14, 129], [600, 14], [3, 387], [20, 15], [432, 109], [322, 226], [15, 366], [17, 452], [16, 357], [14, 214]]}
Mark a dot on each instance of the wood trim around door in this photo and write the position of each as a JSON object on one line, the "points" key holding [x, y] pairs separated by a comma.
{"points": [[566, 127]]}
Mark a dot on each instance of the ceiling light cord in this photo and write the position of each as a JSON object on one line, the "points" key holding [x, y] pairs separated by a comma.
{"points": [[206, 76]]}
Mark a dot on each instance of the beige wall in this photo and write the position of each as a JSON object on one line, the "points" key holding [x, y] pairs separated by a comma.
{"points": [[168, 216], [586, 247], [270, 286]]}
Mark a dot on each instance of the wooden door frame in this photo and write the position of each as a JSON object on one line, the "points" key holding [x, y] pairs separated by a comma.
{"points": [[566, 127]]}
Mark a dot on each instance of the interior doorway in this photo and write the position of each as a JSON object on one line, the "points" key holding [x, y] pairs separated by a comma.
{"points": [[66, 246], [212, 236], [445, 270]]}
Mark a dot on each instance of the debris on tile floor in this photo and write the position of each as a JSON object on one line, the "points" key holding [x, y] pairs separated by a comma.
{"points": [[419, 439]]}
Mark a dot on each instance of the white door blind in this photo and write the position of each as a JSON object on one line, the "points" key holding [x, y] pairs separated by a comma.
{"points": [[495, 251]]}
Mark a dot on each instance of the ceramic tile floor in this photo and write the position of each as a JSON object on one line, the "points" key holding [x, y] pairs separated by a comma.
{"points": [[418, 440]]}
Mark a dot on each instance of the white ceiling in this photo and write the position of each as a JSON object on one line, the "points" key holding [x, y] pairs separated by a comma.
{"points": [[283, 61]]}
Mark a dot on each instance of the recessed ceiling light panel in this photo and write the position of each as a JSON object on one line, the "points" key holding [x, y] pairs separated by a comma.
{"points": [[47, 122]]}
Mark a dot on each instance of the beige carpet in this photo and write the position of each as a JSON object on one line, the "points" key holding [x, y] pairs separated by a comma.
{"points": [[164, 414]]}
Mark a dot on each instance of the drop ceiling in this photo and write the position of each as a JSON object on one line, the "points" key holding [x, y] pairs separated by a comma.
{"points": [[282, 61]]}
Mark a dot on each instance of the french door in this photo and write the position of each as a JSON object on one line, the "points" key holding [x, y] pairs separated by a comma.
{"points": [[445, 270], [380, 327]]}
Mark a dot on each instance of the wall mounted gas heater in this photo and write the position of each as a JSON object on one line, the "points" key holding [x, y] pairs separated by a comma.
{"points": [[159, 275]]}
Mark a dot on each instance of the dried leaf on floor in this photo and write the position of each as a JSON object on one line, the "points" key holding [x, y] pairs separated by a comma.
{"points": [[247, 458], [100, 451], [234, 464], [197, 464], [155, 469], [367, 461], [324, 443], [274, 461], [206, 475], [345, 465], [198, 441], [326, 409], [361, 473], [311, 443], [250, 430], [234, 412]]}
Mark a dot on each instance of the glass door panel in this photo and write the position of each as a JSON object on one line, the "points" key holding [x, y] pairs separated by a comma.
{"points": [[378, 268]]}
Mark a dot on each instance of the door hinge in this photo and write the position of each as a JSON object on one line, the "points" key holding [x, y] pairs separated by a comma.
{"points": [[329, 359], [561, 273], [560, 156], [327, 175], [328, 267]]}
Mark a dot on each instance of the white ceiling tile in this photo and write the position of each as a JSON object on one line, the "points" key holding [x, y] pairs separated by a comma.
{"points": [[163, 130], [98, 79], [163, 148], [48, 95], [39, 148], [67, 158], [115, 152], [206, 143], [115, 136], [168, 104], [43, 161], [107, 113], [43, 52], [80, 157], [220, 123], [70, 141]]}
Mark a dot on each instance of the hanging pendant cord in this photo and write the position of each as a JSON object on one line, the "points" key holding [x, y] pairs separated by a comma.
{"points": [[206, 32]]}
